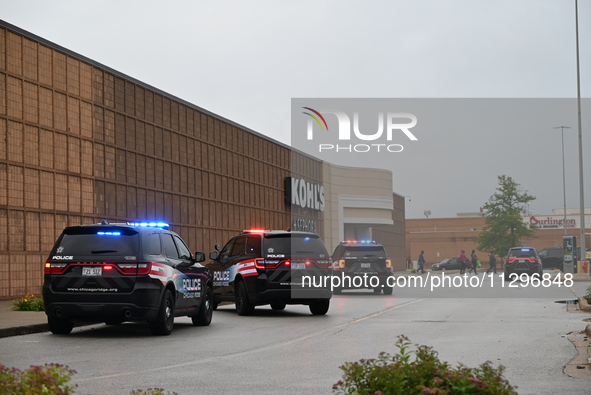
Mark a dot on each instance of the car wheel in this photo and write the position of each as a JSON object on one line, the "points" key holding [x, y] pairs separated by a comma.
{"points": [[60, 326], [214, 305], [320, 307], [278, 306], [203, 317], [388, 290], [243, 304], [162, 325]]}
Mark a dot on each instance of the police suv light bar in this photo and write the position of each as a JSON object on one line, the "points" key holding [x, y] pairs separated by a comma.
{"points": [[162, 225]]}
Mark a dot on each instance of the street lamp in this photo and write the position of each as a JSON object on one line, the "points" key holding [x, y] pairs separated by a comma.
{"points": [[563, 176]]}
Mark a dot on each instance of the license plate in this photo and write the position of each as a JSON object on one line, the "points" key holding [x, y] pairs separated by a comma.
{"points": [[521, 261], [298, 265], [92, 271], [365, 265]]}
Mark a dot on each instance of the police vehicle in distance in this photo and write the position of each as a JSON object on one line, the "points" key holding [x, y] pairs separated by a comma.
{"points": [[116, 272], [362, 264], [522, 260], [276, 267]]}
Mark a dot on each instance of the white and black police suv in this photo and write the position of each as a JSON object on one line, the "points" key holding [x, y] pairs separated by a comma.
{"points": [[275, 267], [125, 272]]}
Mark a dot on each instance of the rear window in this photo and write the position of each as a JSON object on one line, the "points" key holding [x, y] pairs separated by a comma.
{"points": [[521, 252], [365, 252], [295, 245], [97, 241]]}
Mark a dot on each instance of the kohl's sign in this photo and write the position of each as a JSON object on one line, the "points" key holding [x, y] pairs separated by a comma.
{"points": [[299, 192]]}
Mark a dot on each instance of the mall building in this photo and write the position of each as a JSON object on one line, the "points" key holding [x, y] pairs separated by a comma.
{"points": [[82, 142]]}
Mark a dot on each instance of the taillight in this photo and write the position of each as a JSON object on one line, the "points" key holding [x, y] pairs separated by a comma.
{"points": [[388, 263], [55, 267], [142, 268], [324, 263]]}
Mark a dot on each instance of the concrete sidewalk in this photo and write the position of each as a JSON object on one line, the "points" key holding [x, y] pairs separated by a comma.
{"points": [[13, 323]]}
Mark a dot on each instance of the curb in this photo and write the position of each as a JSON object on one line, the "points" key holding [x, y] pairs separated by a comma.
{"points": [[584, 305], [23, 330]]}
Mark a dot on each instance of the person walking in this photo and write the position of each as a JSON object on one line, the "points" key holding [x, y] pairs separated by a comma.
{"points": [[474, 261], [492, 263], [422, 262], [463, 262]]}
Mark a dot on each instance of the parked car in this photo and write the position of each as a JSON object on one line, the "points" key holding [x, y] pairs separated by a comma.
{"points": [[552, 258], [448, 264], [522, 260]]}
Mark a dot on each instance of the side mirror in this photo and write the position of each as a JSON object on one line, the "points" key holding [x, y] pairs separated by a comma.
{"points": [[213, 255], [218, 247], [199, 256]]}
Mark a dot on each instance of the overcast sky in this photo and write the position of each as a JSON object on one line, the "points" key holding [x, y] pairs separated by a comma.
{"points": [[246, 60]]}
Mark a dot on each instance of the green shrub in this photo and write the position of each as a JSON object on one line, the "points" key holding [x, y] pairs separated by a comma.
{"points": [[28, 303], [47, 379], [419, 371]]}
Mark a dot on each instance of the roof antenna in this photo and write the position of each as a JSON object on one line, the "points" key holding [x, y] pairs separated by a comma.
{"points": [[104, 222]]}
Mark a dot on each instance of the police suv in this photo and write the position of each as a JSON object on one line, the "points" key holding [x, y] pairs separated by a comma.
{"points": [[275, 267], [125, 272], [362, 264]]}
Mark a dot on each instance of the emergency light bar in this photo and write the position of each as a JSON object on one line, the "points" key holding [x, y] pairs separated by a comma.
{"points": [[358, 242], [162, 225]]}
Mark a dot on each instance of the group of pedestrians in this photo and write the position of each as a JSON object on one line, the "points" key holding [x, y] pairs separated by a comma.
{"points": [[471, 264]]}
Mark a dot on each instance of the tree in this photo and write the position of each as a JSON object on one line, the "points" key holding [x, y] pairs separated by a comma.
{"points": [[504, 228]]}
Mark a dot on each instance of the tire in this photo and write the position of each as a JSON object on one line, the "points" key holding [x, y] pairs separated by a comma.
{"points": [[162, 325], [243, 304], [320, 307], [214, 305], [388, 290], [203, 317], [60, 326], [278, 306], [507, 276]]}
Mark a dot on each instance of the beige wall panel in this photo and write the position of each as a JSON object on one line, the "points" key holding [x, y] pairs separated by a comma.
{"points": [[73, 76], [59, 71], [46, 188], [31, 102], [14, 53], [15, 141], [32, 189], [14, 96]]}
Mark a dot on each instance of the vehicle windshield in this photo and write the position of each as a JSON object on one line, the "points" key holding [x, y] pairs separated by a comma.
{"points": [[88, 241], [295, 245]]}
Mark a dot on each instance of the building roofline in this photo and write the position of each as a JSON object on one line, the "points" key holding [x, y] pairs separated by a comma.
{"points": [[50, 44]]}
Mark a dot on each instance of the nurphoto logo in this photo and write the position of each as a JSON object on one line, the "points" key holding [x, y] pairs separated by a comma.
{"points": [[390, 126]]}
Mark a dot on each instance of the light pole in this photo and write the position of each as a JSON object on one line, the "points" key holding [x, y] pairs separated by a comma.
{"points": [[580, 135], [563, 176]]}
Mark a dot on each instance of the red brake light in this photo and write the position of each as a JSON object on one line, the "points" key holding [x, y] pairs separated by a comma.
{"points": [[140, 268], [55, 268]]}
